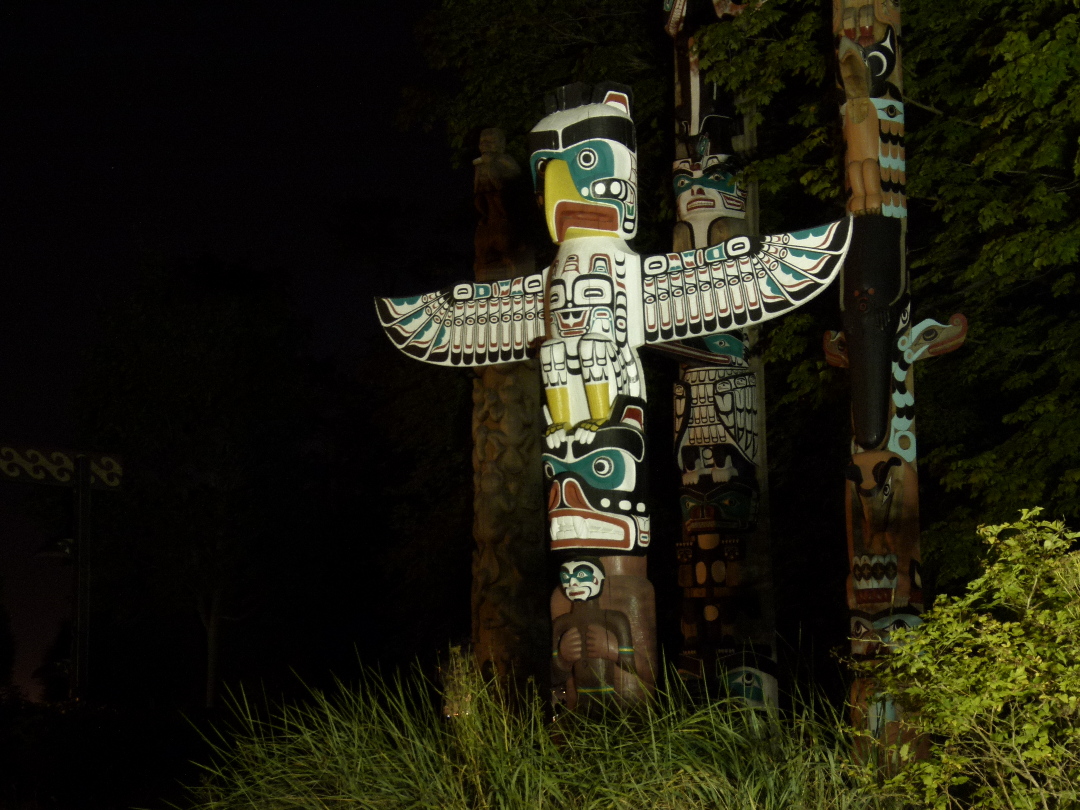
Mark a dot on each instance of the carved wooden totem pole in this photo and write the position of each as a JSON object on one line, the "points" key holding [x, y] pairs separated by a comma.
{"points": [[508, 597], [587, 315], [879, 346], [727, 621]]}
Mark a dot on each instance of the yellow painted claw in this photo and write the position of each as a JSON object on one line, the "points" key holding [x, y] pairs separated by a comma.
{"points": [[591, 425]]}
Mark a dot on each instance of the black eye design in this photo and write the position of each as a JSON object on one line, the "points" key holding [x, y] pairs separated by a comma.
{"points": [[586, 158], [603, 466], [549, 470]]}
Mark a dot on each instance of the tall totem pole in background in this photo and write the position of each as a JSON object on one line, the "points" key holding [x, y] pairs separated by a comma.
{"points": [[879, 346], [724, 560], [586, 316], [508, 594]]}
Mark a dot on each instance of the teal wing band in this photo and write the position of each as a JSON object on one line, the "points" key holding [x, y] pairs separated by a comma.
{"points": [[741, 282], [469, 324]]}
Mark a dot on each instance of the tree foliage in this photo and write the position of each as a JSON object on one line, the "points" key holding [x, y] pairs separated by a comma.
{"points": [[993, 117], [994, 189], [993, 678], [494, 62]]}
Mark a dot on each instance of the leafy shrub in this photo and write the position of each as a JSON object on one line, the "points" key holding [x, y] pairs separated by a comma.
{"points": [[993, 678]]}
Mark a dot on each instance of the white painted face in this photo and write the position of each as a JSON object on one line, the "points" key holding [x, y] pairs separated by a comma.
{"points": [[707, 190], [581, 580]]}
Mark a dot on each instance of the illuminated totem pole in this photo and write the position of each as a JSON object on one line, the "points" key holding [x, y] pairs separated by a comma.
{"points": [[879, 346], [586, 316], [724, 571], [508, 626]]}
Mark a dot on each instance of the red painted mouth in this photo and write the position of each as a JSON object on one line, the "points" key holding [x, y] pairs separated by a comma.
{"points": [[702, 202], [572, 321], [573, 523], [584, 215]]}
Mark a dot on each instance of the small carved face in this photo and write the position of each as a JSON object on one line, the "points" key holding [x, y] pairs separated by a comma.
{"points": [[492, 142], [707, 190], [581, 580], [871, 632], [755, 687], [584, 300]]}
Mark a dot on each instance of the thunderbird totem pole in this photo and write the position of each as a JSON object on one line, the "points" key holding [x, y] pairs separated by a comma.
{"points": [[879, 346], [727, 624], [586, 316]]}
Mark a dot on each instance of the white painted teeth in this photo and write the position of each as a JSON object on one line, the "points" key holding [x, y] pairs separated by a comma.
{"points": [[570, 527]]}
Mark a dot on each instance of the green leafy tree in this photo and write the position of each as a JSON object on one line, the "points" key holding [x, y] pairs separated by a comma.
{"points": [[493, 63], [992, 678], [991, 91]]}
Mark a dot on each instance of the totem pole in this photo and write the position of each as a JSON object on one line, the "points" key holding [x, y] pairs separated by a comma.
{"points": [[727, 622], [587, 315], [879, 346], [509, 628]]}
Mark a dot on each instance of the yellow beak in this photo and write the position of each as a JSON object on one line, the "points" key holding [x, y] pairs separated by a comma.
{"points": [[567, 213]]}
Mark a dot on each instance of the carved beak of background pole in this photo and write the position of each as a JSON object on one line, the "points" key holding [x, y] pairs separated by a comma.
{"points": [[872, 307]]}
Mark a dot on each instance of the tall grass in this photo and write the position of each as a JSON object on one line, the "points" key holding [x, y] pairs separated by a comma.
{"points": [[385, 744]]}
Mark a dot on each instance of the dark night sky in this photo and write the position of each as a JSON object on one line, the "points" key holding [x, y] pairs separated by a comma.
{"points": [[253, 133]]}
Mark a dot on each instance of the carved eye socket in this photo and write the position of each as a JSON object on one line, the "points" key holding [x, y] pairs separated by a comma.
{"points": [[886, 491], [603, 466], [586, 158], [549, 470]]}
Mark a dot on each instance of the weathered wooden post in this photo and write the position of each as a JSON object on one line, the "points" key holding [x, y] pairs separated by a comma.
{"points": [[509, 626]]}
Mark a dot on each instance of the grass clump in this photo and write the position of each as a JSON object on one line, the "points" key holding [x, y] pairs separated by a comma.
{"points": [[385, 744]]}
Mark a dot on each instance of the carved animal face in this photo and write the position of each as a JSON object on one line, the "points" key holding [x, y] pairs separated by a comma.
{"points": [[584, 166], [596, 491], [884, 525]]}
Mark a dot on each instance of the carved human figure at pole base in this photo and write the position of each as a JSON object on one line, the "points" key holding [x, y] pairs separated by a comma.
{"points": [[586, 316], [593, 646]]}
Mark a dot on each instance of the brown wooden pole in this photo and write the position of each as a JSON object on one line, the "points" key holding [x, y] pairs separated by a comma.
{"points": [[509, 591]]}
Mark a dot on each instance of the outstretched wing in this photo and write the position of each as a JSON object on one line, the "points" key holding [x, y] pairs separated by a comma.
{"points": [[468, 324], [744, 281]]}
